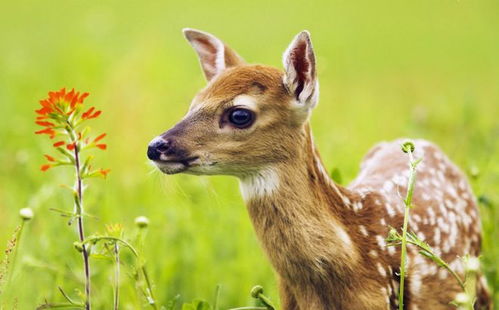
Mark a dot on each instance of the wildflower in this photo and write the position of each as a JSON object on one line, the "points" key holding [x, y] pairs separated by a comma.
{"points": [[61, 114], [114, 229]]}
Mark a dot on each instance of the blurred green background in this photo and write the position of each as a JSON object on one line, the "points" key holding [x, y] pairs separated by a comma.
{"points": [[387, 69]]}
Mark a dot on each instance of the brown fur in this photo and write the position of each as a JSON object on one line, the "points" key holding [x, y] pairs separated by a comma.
{"points": [[326, 242]]}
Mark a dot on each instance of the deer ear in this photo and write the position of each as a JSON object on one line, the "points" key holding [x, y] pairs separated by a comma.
{"points": [[300, 77], [214, 56]]}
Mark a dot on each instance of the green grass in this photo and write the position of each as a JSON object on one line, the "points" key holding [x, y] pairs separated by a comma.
{"points": [[387, 69]]}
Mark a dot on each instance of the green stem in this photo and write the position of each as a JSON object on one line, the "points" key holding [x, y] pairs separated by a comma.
{"points": [[117, 277], [81, 232], [115, 239], [408, 203], [142, 268], [152, 301]]}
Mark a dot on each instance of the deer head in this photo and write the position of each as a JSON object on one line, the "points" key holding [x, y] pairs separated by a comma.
{"points": [[247, 118]]}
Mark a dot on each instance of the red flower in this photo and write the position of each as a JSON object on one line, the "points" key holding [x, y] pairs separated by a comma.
{"points": [[62, 114], [60, 102]]}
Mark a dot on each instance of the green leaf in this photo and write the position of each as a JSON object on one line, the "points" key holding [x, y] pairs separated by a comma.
{"points": [[336, 175], [196, 305]]}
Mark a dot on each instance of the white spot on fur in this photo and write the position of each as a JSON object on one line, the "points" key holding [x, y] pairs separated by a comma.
{"points": [[390, 210], [415, 284], [262, 184], [381, 270], [391, 250], [363, 230], [357, 206], [381, 242], [373, 253], [442, 274], [436, 237]]}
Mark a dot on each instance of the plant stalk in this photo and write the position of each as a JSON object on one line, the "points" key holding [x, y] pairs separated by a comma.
{"points": [[407, 203], [117, 277], [81, 232]]}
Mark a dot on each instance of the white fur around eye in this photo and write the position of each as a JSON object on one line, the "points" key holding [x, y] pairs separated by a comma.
{"points": [[245, 100]]}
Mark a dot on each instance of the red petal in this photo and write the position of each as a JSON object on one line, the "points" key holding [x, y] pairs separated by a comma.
{"points": [[60, 143], [49, 158], [102, 146], [45, 124], [86, 114], [71, 146], [96, 114], [45, 167], [82, 97], [100, 137], [69, 96], [105, 172], [48, 131], [43, 111]]}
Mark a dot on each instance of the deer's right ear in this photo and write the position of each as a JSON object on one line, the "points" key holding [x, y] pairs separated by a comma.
{"points": [[300, 77], [214, 55]]}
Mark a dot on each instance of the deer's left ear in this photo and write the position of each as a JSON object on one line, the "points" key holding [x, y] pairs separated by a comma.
{"points": [[214, 55], [300, 76]]}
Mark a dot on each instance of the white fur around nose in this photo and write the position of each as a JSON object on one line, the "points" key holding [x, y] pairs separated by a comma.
{"points": [[264, 183]]}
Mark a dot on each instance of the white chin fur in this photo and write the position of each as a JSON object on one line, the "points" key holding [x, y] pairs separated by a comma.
{"points": [[261, 184], [171, 168]]}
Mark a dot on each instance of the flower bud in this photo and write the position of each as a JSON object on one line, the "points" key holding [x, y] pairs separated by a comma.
{"points": [[26, 214], [141, 221], [462, 299], [78, 246], [473, 264], [392, 234], [256, 291], [408, 146]]}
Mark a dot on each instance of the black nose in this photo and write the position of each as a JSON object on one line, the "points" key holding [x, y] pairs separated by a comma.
{"points": [[158, 147]]}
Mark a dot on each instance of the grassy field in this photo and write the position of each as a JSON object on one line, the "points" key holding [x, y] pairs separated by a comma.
{"points": [[421, 69]]}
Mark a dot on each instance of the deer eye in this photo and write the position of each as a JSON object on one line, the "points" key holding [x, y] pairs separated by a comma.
{"points": [[241, 118]]}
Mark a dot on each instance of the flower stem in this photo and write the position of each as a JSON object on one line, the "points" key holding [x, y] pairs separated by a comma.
{"points": [[408, 204], [81, 232], [117, 277]]}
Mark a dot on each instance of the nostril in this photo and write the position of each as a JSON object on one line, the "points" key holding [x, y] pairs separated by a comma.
{"points": [[163, 146], [152, 153]]}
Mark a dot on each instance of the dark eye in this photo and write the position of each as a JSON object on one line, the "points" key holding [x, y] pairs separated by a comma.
{"points": [[241, 118]]}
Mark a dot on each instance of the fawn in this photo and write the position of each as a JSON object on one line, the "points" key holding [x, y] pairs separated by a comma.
{"points": [[326, 242]]}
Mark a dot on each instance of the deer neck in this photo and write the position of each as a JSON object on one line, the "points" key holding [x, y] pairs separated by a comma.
{"points": [[296, 210]]}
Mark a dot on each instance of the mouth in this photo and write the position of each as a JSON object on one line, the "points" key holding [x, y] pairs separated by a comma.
{"points": [[173, 166]]}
